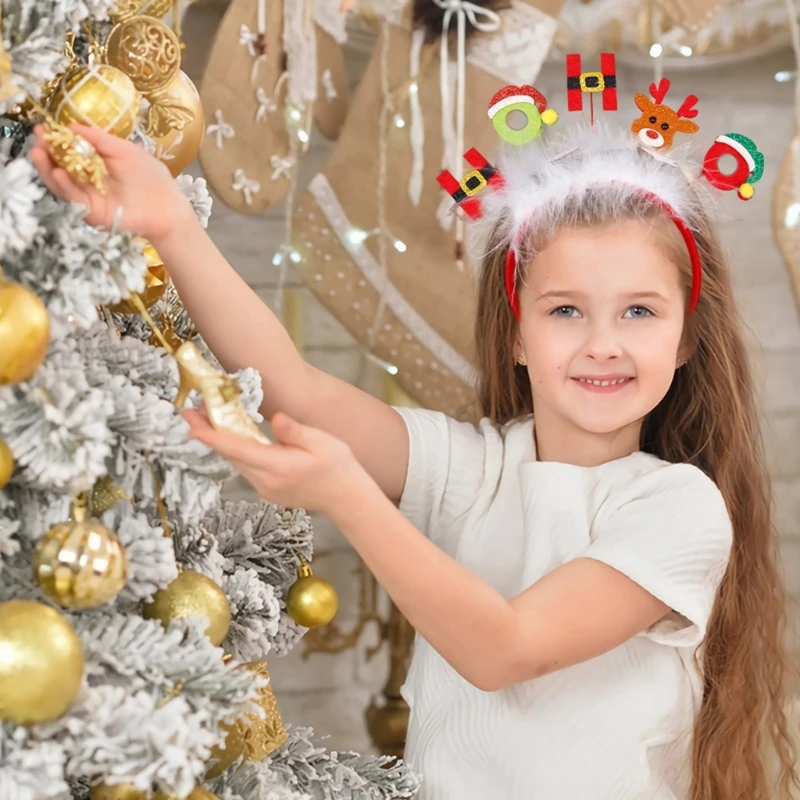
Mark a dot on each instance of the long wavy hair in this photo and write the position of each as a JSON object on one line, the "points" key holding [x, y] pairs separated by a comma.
{"points": [[708, 418]]}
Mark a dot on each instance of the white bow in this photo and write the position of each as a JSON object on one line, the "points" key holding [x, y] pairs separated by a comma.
{"points": [[222, 129], [248, 38], [327, 85], [282, 166], [265, 104], [486, 21], [246, 185]]}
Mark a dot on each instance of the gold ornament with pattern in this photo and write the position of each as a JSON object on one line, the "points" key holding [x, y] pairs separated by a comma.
{"points": [[24, 332], [41, 668], [192, 594], [116, 791], [251, 736], [146, 50], [6, 464], [98, 95], [80, 563], [156, 281], [173, 107], [179, 146], [76, 156], [125, 9], [311, 601]]}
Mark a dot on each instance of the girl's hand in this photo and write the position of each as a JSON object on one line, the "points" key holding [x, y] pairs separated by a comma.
{"points": [[137, 182], [308, 468]]}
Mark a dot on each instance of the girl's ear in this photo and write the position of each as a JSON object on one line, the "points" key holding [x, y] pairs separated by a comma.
{"points": [[519, 350], [686, 348]]}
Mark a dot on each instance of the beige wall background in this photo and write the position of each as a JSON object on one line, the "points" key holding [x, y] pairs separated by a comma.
{"points": [[331, 692]]}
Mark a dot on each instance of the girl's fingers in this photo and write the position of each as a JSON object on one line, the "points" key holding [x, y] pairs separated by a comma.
{"points": [[67, 188]]}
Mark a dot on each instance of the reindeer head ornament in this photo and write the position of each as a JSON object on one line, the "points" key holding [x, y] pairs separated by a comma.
{"points": [[658, 123]]}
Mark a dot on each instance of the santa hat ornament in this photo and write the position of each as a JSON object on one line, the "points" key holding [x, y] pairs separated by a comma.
{"points": [[518, 112], [749, 164]]}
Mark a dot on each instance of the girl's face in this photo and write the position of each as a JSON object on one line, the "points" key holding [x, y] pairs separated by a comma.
{"points": [[602, 313]]}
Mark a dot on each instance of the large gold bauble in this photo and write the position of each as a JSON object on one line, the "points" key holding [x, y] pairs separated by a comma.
{"points": [[311, 601], [178, 124], [6, 463], [146, 50], [41, 663], [198, 793], [192, 594], [251, 736], [124, 9], [116, 791], [156, 281], [80, 563], [24, 332], [786, 212], [98, 95]]}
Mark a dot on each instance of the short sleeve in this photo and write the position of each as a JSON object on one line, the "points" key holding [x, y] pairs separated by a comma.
{"points": [[671, 534], [445, 469]]}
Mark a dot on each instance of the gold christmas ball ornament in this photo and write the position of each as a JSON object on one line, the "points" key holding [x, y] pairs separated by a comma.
{"points": [[156, 281], [146, 50], [80, 563], [251, 736], [176, 123], [41, 663], [311, 601], [98, 95], [6, 463], [24, 332], [116, 791], [192, 594]]}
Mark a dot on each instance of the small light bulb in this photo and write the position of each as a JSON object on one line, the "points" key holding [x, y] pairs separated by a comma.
{"points": [[392, 369], [399, 122], [302, 136], [413, 88], [400, 246], [656, 50], [784, 76], [295, 257], [295, 114], [792, 217], [356, 236], [685, 50], [277, 259]]}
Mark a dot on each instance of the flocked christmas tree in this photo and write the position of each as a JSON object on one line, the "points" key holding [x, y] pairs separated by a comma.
{"points": [[137, 609]]}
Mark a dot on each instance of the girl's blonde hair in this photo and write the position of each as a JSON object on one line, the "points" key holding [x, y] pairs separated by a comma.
{"points": [[708, 418]]}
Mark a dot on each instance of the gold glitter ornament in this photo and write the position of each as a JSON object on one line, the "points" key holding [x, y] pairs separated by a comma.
{"points": [[192, 594], [80, 563], [41, 667], [24, 332], [156, 281], [252, 736], [6, 463], [105, 495], [76, 156], [311, 601], [99, 95], [146, 50], [116, 791]]}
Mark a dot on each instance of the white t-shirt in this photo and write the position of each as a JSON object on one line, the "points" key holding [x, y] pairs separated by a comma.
{"points": [[617, 727]]}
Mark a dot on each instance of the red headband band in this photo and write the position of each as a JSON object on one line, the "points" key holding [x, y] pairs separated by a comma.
{"points": [[680, 224]]}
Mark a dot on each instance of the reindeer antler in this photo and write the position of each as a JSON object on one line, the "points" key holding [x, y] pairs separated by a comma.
{"points": [[660, 92], [687, 108]]}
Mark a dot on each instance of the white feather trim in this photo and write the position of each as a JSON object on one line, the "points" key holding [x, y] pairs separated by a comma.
{"points": [[548, 179]]}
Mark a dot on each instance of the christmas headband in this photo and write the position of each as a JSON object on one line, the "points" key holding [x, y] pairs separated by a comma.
{"points": [[537, 178]]}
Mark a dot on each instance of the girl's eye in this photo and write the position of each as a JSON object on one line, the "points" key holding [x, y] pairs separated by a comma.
{"points": [[565, 311], [635, 312]]}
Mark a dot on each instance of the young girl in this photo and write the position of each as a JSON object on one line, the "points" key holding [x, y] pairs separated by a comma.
{"points": [[596, 596]]}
